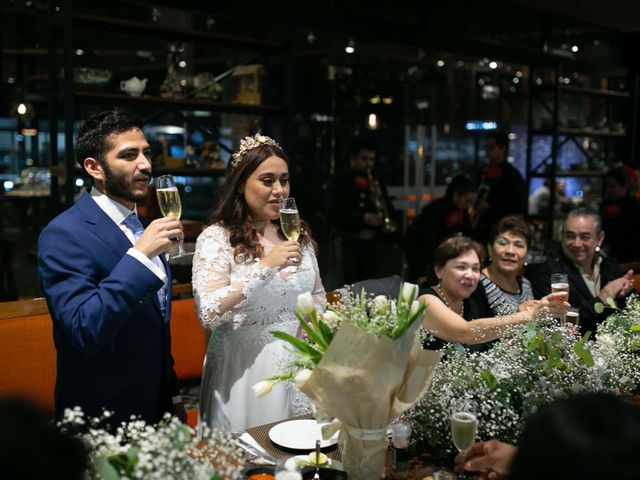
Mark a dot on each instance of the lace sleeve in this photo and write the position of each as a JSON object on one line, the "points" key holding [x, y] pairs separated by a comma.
{"points": [[319, 294], [218, 299]]}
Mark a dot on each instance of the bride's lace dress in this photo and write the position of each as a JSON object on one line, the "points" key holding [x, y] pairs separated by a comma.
{"points": [[241, 302]]}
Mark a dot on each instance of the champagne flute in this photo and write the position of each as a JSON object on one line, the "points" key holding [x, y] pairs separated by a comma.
{"points": [[560, 283], [572, 317], [289, 220], [170, 204], [464, 424]]}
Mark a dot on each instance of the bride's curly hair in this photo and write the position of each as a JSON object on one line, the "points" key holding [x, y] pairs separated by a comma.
{"points": [[232, 211]]}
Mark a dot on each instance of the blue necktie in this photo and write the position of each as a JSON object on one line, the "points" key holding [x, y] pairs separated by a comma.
{"points": [[133, 223]]}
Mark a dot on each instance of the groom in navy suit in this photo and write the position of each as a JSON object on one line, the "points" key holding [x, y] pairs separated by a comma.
{"points": [[108, 284]]}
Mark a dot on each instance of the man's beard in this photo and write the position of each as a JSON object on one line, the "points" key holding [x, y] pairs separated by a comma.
{"points": [[119, 187]]}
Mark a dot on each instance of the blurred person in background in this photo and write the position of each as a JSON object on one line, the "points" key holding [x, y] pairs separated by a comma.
{"points": [[355, 202], [620, 212], [593, 435], [507, 190], [31, 447], [438, 220]]}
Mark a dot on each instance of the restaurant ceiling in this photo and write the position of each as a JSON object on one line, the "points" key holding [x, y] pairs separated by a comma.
{"points": [[621, 15]]}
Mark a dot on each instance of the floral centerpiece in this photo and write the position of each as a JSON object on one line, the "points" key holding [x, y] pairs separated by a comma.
{"points": [[532, 364], [166, 450], [617, 349], [363, 364]]}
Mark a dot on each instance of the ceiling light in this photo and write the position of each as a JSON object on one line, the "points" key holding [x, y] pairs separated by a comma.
{"points": [[351, 46], [387, 100], [518, 74], [516, 80], [22, 109], [182, 63], [79, 52], [574, 49], [372, 121], [311, 38], [440, 63], [374, 100], [493, 65]]}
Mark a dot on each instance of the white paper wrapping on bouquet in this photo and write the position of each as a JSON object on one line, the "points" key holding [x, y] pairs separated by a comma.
{"points": [[366, 382]]}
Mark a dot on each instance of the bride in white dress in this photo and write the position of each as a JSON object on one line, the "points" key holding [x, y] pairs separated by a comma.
{"points": [[246, 280]]}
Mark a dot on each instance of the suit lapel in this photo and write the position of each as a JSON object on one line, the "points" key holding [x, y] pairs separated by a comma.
{"points": [[103, 227], [577, 282], [113, 238]]}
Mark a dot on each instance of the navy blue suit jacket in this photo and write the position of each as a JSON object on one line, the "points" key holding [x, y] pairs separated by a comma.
{"points": [[113, 343]]}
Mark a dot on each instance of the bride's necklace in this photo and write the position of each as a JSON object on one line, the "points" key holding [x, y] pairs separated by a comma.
{"points": [[443, 296]]}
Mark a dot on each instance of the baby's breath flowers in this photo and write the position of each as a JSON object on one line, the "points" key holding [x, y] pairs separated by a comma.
{"points": [[532, 364], [617, 349], [166, 450]]}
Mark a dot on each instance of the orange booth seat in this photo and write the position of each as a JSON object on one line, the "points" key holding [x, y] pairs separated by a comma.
{"points": [[28, 356]]}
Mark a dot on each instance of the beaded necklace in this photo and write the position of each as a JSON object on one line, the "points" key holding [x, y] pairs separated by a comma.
{"points": [[443, 296]]}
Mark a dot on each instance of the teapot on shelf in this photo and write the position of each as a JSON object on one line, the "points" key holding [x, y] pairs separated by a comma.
{"points": [[134, 86]]}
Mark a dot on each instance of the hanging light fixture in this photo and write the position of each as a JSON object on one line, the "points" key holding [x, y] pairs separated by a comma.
{"points": [[351, 46]]}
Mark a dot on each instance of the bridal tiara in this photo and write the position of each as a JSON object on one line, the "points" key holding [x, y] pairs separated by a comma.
{"points": [[249, 143]]}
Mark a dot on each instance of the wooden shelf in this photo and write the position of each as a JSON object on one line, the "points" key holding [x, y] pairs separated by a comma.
{"points": [[579, 132], [569, 174], [595, 92], [94, 22], [190, 172], [179, 104]]}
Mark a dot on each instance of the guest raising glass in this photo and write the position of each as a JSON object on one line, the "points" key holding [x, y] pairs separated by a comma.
{"points": [[451, 315]]}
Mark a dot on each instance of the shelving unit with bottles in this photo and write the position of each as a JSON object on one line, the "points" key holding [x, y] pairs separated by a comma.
{"points": [[575, 133], [110, 39]]}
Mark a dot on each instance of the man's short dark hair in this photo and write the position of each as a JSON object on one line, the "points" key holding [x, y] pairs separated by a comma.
{"points": [[363, 143], [93, 137], [460, 184], [501, 138]]}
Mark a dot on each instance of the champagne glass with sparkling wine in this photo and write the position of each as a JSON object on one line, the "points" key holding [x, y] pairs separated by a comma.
{"points": [[289, 219], [560, 283], [170, 204], [464, 424]]}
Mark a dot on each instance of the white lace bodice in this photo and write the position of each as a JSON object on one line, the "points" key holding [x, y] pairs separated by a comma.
{"points": [[230, 295]]}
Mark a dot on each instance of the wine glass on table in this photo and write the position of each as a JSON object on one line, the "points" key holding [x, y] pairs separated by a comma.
{"points": [[560, 283], [464, 424], [170, 204], [290, 221]]}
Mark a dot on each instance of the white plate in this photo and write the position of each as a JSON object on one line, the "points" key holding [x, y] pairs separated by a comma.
{"points": [[300, 435], [300, 459]]}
